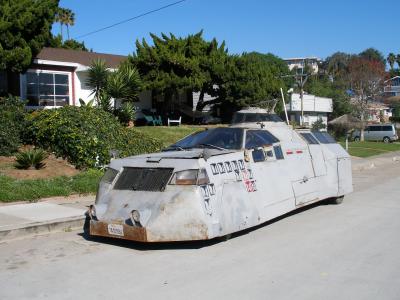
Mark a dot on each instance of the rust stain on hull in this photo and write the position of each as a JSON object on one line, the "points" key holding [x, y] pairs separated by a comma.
{"points": [[98, 228]]}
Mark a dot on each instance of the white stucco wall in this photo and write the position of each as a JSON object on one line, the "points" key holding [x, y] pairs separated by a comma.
{"points": [[310, 103], [82, 91]]}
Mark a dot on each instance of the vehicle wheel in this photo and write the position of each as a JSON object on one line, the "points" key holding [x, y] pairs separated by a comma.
{"points": [[336, 200], [356, 139], [386, 139]]}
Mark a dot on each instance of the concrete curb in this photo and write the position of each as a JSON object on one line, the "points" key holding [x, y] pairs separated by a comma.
{"points": [[371, 163], [8, 233]]}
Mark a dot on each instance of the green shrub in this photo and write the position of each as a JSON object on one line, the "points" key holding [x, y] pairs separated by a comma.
{"points": [[11, 124], [85, 135], [31, 158]]}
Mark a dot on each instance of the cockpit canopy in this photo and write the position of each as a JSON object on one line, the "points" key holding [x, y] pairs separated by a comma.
{"points": [[254, 115], [226, 138]]}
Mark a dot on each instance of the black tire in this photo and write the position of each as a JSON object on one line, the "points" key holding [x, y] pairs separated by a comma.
{"points": [[386, 139], [336, 200], [356, 139]]}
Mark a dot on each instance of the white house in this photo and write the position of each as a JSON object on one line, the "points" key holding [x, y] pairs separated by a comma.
{"points": [[392, 87], [301, 62], [57, 77], [314, 108]]}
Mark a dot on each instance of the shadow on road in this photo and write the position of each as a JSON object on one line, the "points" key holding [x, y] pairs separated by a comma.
{"points": [[143, 246]]}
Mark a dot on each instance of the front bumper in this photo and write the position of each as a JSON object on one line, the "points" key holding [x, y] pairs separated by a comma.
{"points": [[132, 233]]}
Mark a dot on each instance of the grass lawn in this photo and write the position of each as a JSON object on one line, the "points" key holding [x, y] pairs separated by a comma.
{"points": [[12, 189], [169, 135], [366, 149]]}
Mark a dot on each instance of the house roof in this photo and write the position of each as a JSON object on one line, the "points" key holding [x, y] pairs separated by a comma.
{"points": [[80, 57]]}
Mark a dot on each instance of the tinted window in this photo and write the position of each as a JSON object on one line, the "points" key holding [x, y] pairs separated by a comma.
{"points": [[324, 137], [278, 152], [109, 175], [259, 138], [254, 117], [374, 128], [309, 137], [227, 138], [387, 128]]}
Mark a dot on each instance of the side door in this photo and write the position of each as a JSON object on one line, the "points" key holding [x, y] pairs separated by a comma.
{"points": [[268, 170]]}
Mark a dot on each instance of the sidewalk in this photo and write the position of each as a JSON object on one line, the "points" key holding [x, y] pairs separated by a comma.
{"points": [[47, 215], [18, 220], [359, 164]]}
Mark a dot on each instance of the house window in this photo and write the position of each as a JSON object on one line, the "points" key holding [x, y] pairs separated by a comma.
{"points": [[47, 89]]}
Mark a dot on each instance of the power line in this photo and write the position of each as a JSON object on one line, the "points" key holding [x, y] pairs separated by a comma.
{"points": [[130, 19]]}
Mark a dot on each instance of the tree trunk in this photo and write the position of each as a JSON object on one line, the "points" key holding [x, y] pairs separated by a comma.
{"points": [[61, 29], [200, 103], [362, 127], [67, 31]]}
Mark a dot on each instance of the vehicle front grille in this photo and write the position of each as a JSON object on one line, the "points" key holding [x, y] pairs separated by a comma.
{"points": [[143, 179]]}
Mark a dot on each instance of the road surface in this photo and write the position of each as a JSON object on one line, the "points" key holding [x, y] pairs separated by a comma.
{"points": [[347, 251]]}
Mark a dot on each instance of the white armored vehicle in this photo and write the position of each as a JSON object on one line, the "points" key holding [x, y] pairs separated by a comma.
{"points": [[219, 181]]}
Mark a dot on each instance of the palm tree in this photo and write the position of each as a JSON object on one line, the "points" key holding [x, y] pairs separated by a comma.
{"points": [[391, 58], [66, 17], [98, 78], [123, 84], [398, 60], [69, 19], [60, 19]]}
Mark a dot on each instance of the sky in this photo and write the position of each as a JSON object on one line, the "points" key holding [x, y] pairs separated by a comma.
{"points": [[286, 28]]}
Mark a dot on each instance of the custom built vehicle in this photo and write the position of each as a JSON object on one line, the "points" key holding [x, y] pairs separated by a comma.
{"points": [[219, 181]]}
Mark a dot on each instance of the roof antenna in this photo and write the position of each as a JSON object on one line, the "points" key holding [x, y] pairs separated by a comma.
{"points": [[284, 107]]}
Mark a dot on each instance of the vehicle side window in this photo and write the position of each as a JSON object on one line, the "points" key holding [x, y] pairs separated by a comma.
{"points": [[259, 138], [374, 128], [324, 137], [309, 138], [387, 128], [278, 152]]}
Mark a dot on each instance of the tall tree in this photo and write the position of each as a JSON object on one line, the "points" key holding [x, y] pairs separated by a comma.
{"points": [[66, 18], [255, 79], [69, 20], [398, 60], [391, 58], [25, 27], [373, 54], [172, 64], [366, 78], [337, 64]]}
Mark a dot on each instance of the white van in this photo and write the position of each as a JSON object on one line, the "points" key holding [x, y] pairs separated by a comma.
{"points": [[381, 132]]}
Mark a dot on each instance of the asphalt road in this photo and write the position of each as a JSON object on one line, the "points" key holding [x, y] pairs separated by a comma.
{"points": [[348, 251]]}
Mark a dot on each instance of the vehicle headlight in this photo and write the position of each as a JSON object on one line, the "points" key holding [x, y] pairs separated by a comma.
{"points": [[190, 177]]}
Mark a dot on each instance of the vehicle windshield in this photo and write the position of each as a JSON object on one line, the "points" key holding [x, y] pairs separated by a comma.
{"points": [[216, 138]]}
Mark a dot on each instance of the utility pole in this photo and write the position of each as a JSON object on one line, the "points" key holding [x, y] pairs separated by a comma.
{"points": [[301, 79]]}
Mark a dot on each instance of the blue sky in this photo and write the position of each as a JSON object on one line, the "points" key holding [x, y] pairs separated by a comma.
{"points": [[287, 28]]}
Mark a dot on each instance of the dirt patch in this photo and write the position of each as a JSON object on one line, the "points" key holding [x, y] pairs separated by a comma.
{"points": [[54, 167]]}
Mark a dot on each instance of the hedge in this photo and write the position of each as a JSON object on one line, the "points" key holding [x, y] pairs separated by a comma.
{"points": [[85, 135], [11, 124]]}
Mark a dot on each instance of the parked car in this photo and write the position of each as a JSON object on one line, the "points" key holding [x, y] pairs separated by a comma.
{"points": [[382, 132]]}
